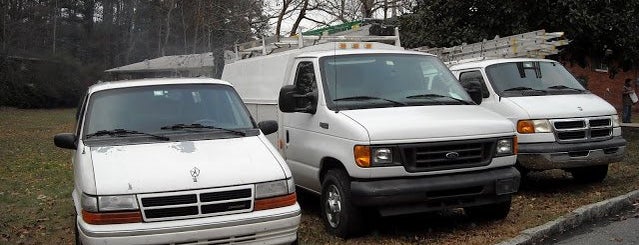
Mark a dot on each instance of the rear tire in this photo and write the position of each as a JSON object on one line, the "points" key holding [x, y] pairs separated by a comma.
{"points": [[590, 174], [340, 217], [495, 211]]}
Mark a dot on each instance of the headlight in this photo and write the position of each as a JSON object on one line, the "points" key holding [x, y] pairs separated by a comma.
{"points": [[271, 189], [117, 203], [89, 203], [615, 121], [382, 156], [533, 126], [505, 147]]}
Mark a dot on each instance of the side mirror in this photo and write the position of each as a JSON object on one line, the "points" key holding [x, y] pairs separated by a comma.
{"points": [[291, 100], [473, 88], [65, 140], [268, 127]]}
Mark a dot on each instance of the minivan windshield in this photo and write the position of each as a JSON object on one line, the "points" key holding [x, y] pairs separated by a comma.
{"points": [[361, 81], [532, 78], [163, 109]]}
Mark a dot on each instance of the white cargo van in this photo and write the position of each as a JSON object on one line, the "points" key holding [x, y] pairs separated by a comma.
{"points": [[371, 126], [177, 161], [560, 125]]}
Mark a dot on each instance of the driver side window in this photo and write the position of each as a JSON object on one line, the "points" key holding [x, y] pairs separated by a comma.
{"points": [[305, 77], [465, 77]]}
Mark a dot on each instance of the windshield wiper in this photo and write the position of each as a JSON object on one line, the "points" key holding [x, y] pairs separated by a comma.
{"points": [[562, 87], [428, 96], [364, 97], [121, 132], [200, 126], [525, 89]]}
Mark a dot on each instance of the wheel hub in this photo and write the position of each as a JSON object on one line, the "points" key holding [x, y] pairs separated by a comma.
{"points": [[333, 206]]}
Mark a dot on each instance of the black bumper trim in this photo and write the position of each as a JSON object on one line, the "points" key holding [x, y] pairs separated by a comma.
{"points": [[429, 188], [551, 147]]}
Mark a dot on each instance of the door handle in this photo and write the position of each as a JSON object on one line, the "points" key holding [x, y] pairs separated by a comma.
{"points": [[323, 125], [287, 137]]}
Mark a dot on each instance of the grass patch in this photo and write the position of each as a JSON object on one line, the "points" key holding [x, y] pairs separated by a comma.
{"points": [[36, 180]]}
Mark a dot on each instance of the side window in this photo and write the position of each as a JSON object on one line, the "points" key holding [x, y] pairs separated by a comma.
{"points": [[305, 77], [475, 75]]}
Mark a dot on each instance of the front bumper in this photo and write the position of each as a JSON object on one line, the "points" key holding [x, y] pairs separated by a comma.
{"points": [[432, 193], [544, 156], [275, 226]]}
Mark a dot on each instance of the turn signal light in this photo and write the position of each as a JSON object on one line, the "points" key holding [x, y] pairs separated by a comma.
{"points": [[362, 156], [525, 127], [275, 202], [111, 217]]}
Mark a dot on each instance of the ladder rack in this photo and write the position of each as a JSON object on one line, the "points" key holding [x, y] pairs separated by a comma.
{"points": [[536, 44], [269, 45]]}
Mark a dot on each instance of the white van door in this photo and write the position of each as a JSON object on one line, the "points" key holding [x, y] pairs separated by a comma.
{"points": [[301, 132]]}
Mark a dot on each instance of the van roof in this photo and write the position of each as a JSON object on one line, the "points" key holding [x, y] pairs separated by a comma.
{"points": [[153, 81], [319, 54], [488, 62]]}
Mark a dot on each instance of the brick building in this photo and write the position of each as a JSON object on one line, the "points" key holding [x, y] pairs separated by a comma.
{"points": [[599, 81]]}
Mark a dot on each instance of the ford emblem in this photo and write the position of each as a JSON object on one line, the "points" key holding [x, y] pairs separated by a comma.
{"points": [[452, 155]]}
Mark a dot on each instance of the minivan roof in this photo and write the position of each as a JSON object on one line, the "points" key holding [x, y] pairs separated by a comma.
{"points": [[153, 81]]}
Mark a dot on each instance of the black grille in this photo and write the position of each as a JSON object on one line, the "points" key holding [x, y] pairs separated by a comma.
{"points": [[169, 200], [570, 124], [447, 155], [571, 135], [225, 207], [225, 195], [189, 205], [171, 212], [596, 133], [599, 122]]}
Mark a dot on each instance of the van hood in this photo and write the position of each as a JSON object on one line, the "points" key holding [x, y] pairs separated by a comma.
{"points": [[563, 106], [429, 122], [161, 167]]}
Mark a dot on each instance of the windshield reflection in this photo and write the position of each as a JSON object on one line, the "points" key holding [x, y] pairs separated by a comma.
{"points": [[532, 78]]}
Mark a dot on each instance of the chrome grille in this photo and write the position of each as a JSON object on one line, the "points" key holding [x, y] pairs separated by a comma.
{"points": [[437, 155], [582, 129], [197, 203]]}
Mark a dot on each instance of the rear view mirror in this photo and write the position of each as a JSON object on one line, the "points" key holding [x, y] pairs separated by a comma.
{"points": [[268, 127], [473, 88], [291, 100], [65, 140]]}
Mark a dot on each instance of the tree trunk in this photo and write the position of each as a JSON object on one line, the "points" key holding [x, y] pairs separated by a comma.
{"points": [[299, 19], [168, 26], [280, 17]]}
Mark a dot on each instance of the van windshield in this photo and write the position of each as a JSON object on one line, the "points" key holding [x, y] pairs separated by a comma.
{"points": [[532, 78], [385, 80], [158, 109]]}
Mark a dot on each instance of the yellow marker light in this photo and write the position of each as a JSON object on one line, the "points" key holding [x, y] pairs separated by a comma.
{"points": [[368, 45], [341, 45], [355, 45], [362, 156], [525, 127]]}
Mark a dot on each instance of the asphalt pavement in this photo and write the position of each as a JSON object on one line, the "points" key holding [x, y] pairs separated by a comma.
{"points": [[619, 229]]}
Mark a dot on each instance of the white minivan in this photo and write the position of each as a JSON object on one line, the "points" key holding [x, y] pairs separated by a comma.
{"points": [[177, 161], [560, 124]]}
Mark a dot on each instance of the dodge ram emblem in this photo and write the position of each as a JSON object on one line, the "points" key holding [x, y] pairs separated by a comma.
{"points": [[194, 173], [452, 155]]}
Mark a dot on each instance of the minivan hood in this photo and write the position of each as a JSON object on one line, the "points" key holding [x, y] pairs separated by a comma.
{"points": [[563, 106], [429, 122], [161, 167]]}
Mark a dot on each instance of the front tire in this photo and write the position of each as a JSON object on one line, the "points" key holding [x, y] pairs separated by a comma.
{"points": [[340, 217], [495, 211], [590, 174]]}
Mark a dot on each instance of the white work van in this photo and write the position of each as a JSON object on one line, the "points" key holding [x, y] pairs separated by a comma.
{"points": [[371, 126], [560, 125], [177, 161]]}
